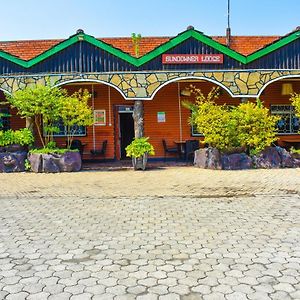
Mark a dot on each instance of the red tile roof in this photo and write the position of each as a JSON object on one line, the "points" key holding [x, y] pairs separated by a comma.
{"points": [[29, 49], [247, 44]]}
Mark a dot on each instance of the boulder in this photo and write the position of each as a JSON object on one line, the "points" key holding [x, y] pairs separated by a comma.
{"points": [[297, 163], [12, 161], [287, 160], [296, 159], [70, 162], [35, 160], [267, 159], [208, 158], [236, 161], [54, 163], [50, 163]]}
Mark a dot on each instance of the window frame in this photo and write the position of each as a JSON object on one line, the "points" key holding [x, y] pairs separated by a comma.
{"points": [[291, 114], [64, 134]]}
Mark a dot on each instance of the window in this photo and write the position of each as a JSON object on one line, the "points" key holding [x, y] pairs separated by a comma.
{"points": [[76, 130], [4, 119], [195, 132], [288, 122]]}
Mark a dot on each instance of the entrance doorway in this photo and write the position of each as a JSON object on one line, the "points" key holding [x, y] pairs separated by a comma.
{"points": [[126, 129]]}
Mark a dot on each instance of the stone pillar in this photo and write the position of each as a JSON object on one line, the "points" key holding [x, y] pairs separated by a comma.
{"points": [[138, 117]]}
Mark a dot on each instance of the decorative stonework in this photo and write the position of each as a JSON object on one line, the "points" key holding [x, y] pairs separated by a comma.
{"points": [[145, 85]]}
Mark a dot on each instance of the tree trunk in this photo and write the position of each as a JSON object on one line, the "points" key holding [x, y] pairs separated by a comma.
{"points": [[29, 123], [138, 117]]}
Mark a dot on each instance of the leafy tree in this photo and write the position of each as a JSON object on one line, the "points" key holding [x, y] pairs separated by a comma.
{"points": [[41, 103], [76, 111], [46, 105]]}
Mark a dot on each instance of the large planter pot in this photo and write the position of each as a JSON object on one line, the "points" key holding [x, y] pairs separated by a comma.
{"points": [[12, 161], [55, 163], [139, 163]]}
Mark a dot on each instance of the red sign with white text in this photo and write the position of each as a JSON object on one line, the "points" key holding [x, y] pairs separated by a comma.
{"points": [[192, 58]]}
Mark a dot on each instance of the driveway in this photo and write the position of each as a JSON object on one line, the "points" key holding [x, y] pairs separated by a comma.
{"points": [[176, 233]]}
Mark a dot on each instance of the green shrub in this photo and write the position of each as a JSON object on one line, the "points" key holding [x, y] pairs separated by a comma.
{"points": [[255, 127], [22, 137], [293, 150], [248, 125], [51, 151], [138, 147]]}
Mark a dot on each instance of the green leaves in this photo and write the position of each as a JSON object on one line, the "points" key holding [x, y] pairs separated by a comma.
{"points": [[138, 147], [47, 104], [248, 125], [22, 137], [295, 98]]}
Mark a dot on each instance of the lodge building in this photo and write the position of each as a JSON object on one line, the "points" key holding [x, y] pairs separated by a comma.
{"points": [[131, 88]]}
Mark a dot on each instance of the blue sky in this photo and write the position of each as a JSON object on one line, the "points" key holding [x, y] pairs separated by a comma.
{"points": [[42, 19]]}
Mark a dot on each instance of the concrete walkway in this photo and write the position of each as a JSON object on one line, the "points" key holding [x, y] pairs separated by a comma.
{"points": [[175, 233]]}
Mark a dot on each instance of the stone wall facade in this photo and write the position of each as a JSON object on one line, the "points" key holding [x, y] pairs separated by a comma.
{"points": [[249, 83]]}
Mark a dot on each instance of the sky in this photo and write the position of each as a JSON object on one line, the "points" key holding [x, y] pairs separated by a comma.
{"points": [[51, 19]]}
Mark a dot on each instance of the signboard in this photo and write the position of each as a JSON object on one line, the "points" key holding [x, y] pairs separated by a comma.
{"points": [[99, 117], [192, 58], [161, 117]]}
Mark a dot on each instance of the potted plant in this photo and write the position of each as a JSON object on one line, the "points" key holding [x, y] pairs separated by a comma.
{"points": [[13, 149], [138, 150], [47, 106]]}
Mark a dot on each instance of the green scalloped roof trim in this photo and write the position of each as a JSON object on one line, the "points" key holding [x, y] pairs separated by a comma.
{"points": [[137, 62]]}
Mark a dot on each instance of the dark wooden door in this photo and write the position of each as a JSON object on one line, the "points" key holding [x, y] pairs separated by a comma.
{"points": [[126, 132]]}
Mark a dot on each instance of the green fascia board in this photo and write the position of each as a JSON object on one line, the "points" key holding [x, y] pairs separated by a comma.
{"points": [[274, 46], [137, 62], [108, 48]]}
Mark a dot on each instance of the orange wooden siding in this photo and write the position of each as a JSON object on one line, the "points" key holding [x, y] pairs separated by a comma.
{"points": [[167, 100], [98, 134]]}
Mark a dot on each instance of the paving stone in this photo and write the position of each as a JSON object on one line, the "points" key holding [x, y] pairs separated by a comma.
{"points": [[147, 297], [17, 296], [167, 241], [38, 296], [236, 296], [60, 296]]}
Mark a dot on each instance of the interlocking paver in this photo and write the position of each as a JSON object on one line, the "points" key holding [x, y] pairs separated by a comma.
{"points": [[179, 233]]}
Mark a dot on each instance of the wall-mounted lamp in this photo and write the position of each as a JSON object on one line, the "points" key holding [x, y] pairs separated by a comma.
{"points": [[286, 89], [185, 92]]}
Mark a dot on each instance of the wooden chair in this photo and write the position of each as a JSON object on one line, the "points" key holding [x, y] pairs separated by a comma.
{"points": [[171, 150], [191, 146], [100, 152]]}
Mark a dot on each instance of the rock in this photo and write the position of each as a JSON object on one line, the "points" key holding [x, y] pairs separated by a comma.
{"points": [[12, 161], [70, 162], [15, 148], [267, 159], [287, 160], [208, 158], [35, 160], [50, 163], [297, 163], [236, 161], [54, 163]]}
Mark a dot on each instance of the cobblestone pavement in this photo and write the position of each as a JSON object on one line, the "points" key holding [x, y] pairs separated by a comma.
{"points": [[176, 233]]}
